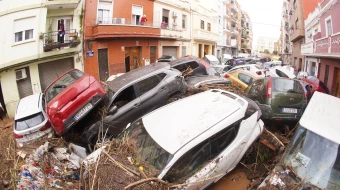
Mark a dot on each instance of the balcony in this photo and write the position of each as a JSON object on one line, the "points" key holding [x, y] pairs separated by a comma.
{"points": [[171, 34], [234, 31], [306, 48], [226, 15], [234, 19], [233, 6], [234, 43], [65, 4], [297, 34], [53, 41], [122, 27], [244, 36], [244, 46], [200, 34]]}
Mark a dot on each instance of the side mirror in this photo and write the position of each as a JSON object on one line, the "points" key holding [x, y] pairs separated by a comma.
{"points": [[112, 110]]}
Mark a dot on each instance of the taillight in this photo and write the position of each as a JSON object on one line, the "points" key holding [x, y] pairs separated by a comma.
{"points": [[18, 136], [258, 72], [46, 126], [226, 76], [269, 88]]}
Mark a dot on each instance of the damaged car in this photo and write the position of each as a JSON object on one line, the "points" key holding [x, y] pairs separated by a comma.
{"points": [[201, 137], [134, 94], [280, 99], [31, 121], [312, 159], [70, 98]]}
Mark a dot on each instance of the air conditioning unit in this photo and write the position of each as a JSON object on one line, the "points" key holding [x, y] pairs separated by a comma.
{"points": [[20, 74], [120, 20], [174, 14]]}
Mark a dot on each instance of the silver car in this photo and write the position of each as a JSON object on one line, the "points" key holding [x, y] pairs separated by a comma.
{"points": [[136, 93]]}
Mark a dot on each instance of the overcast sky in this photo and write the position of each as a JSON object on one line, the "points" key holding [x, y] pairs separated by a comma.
{"points": [[265, 16]]}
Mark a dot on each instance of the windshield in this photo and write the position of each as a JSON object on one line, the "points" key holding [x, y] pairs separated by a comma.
{"points": [[314, 158], [148, 150], [28, 122], [59, 85], [287, 85]]}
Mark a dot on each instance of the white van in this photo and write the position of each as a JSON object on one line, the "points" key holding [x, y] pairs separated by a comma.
{"points": [[212, 60], [198, 138], [314, 152]]}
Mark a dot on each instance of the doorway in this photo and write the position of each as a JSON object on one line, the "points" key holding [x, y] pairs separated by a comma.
{"points": [[132, 58], [153, 57], [200, 50], [337, 84], [300, 64], [103, 64], [206, 49]]}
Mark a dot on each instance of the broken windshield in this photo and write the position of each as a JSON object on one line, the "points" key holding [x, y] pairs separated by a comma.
{"points": [[147, 149], [315, 159]]}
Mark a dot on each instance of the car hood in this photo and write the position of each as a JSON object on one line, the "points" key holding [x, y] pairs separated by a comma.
{"points": [[70, 93], [195, 82]]}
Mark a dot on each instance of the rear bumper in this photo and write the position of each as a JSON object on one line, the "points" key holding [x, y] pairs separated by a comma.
{"points": [[268, 114], [71, 121], [37, 135]]}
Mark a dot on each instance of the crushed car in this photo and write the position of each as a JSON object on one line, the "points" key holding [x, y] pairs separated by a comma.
{"points": [[280, 99], [31, 121], [242, 78], [311, 161], [134, 94], [70, 98], [198, 139]]}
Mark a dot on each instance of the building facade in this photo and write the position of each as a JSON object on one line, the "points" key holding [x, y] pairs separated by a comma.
{"points": [[286, 46], [41, 42], [235, 36], [265, 43], [246, 33], [223, 14], [322, 47]]}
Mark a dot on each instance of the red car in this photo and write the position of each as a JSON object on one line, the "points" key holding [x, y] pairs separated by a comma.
{"points": [[317, 85], [70, 97]]}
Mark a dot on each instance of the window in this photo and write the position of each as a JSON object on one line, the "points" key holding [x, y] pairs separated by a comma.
{"points": [[23, 29], [165, 16], [184, 20], [329, 27], [209, 27], [290, 86], [104, 12], [245, 78], [202, 24], [125, 96], [137, 12], [148, 84], [326, 74], [195, 159], [294, 4], [184, 51], [185, 66], [297, 24], [29, 122], [256, 88], [280, 73]]}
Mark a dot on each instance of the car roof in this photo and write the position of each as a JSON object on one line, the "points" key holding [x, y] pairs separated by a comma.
{"points": [[135, 74], [322, 116], [211, 57], [252, 74], [178, 123], [28, 106], [183, 60]]}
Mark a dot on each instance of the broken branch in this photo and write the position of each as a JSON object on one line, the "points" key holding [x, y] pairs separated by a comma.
{"points": [[144, 181], [121, 165], [246, 166], [278, 140]]}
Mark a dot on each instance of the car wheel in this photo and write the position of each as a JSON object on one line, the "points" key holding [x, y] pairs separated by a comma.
{"points": [[98, 139]]}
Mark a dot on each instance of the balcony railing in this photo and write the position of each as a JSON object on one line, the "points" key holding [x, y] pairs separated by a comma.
{"points": [[58, 40], [133, 22]]}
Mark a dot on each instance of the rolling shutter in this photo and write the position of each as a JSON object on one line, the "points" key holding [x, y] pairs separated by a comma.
{"points": [[50, 71], [170, 50]]}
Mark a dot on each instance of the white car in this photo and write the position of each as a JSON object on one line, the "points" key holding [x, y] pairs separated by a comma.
{"points": [[251, 67], [280, 71], [222, 68], [198, 137], [30, 120]]}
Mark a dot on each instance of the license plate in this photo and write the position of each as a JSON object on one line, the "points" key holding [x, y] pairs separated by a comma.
{"points": [[289, 110], [83, 111], [32, 136]]}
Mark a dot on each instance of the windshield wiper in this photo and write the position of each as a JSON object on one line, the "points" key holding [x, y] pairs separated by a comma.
{"points": [[59, 86]]}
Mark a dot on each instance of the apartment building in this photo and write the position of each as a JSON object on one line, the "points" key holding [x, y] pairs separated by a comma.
{"points": [[286, 46], [223, 27], [322, 44], [264, 43], [246, 33], [39, 42], [235, 39]]}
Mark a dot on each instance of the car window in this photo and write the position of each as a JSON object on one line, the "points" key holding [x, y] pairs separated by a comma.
{"points": [[313, 78], [161, 76], [257, 87], [125, 96], [182, 67], [30, 121], [281, 74], [148, 84], [191, 162], [58, 86], [193, 65], [285, 85], [226, 69], [245, 78], [221, 140]]}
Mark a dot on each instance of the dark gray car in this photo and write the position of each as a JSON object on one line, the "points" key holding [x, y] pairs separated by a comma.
{"points": [[134, 94]]}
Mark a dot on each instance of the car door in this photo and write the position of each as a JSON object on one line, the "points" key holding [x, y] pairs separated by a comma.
{"points": [[128, 108], [153, 92]]}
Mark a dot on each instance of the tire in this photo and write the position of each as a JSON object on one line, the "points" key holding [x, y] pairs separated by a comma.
{"points": [[93, 140]]}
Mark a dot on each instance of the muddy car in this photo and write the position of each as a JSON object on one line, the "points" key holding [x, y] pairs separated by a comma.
{"points": [[134, 94], [198, 137], [70, 98], [312, 159], [280, 99]]}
